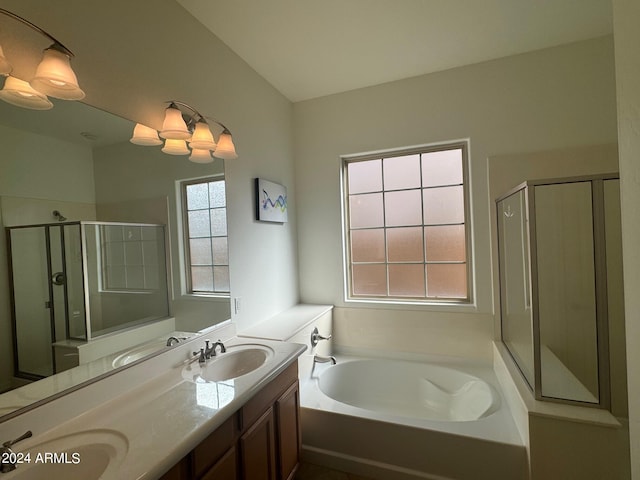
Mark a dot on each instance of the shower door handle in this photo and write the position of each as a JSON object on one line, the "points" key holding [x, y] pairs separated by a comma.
{"points": [[58, 278]]}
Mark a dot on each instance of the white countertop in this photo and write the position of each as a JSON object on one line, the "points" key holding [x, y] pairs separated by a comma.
{"points": [[286, 324], [162, 419]]}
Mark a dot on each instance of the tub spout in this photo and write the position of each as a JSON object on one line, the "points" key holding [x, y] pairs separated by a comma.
{"points": [[322, 359]]}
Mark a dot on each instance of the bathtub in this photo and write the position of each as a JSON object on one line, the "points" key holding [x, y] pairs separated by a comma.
{"points": [[439, 418]]}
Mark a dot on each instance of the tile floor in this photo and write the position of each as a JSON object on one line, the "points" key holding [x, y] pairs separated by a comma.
{"points": [[309, 471]]}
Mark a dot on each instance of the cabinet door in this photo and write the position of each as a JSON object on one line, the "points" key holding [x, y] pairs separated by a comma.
{"points": [[180, 471], [257, 449], [224, 469], [288, 432]]}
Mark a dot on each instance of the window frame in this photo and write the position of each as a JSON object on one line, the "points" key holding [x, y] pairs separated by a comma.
{"points": [[345, 160], [186, 250]]}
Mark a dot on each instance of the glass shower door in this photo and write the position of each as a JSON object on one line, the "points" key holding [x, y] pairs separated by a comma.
{"points": [[48, 294], [33, 326]]}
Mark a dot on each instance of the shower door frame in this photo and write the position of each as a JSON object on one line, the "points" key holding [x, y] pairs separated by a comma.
{"points": [[50, 303], [600, 284]]}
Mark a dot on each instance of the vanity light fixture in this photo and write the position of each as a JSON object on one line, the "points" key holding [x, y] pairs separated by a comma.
{"points": [[184, 124], [54, 76]]}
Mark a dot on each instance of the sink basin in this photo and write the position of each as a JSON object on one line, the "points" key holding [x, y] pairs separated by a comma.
{"points": [[238, 360], [88, 455], [139, 352]]}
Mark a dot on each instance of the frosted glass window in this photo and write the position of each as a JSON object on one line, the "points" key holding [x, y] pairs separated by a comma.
{"points": [[445, 243], [405, 245], [442, 168], [403, 208], [406, 229], [367, 245], [446, 280], [207, 253], [366, 210], [369, 279], [406, 280], [443, 205], [402, 172], [365, 176]]}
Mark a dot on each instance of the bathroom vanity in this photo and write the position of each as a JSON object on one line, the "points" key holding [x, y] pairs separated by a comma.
{"points": [[259, 441], [232, 416]]}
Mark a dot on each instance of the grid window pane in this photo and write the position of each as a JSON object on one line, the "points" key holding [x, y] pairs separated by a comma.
{"points": [[367, 245], [401, 172], [406, 280], [366, 210], [199, 225], [447, 280], [402, 208], [207, 259], [442, 168], [365, 176], [405, 245], [200, 249], [220, 251], [197, 196], [217, 195], [443, 205], [406, 226], [221, 279], [369, 280], [218, 222], [202, 279], [445, 243]]}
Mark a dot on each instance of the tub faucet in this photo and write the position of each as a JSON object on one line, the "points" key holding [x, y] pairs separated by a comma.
{"points": [[8, 457], [323, 359], [171, 340]]}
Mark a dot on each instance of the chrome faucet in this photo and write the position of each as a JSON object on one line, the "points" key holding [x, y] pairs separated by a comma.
{"points": [[323, 359], [316, 337], [171, 340], [7, 456], [210, 350], [202, 356]]}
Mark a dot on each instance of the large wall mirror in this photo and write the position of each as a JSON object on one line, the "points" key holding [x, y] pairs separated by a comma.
{"points": [[77, 160]]}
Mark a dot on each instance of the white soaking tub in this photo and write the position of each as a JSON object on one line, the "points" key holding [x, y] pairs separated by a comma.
{"points": [[396, 419]]}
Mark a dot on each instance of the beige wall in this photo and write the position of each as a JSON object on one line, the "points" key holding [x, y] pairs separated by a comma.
{"points": [[131, 58], [627, 38], [550, 99], [39, 175]]}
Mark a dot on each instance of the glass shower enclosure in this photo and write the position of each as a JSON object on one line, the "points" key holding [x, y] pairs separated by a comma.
{"points": [[75, 281], [555, 241]]}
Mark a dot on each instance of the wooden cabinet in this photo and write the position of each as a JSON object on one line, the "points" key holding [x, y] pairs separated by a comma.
{"points": [[289, 435], [261, 441], [257, 449]]}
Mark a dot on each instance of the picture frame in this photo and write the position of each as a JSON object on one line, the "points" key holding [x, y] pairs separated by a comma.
{"points": [[271, 201]]}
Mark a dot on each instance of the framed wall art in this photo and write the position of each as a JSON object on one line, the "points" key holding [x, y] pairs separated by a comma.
{"points": [[271, 201]]}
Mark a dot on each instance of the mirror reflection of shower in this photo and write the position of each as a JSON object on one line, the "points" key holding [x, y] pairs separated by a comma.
{"points": [[59, 216], [72, 282]]}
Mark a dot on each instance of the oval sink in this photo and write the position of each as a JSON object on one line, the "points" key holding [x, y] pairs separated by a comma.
{"points": [[88, 455], [236, 362], [139, 352]]}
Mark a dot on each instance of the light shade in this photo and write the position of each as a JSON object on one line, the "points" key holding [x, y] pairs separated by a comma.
{"points": [[54, 76], [175, 147], [20, 93], [143, 135], [5, 66], [174, 126], [202, 138], [225, 148], [199, 155]]}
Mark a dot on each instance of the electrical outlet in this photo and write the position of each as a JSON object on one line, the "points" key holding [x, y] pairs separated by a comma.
{"points": [[236, 305]]}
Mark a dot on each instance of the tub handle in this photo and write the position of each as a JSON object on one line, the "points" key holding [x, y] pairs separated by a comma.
{"points": [[316, 337]]}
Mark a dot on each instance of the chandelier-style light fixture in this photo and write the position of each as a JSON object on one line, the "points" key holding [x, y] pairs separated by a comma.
{"points": [[184, 125], [54, 76]]}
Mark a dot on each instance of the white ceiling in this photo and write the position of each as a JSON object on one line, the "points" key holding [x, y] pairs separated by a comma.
{"points": [[310, 49]]}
